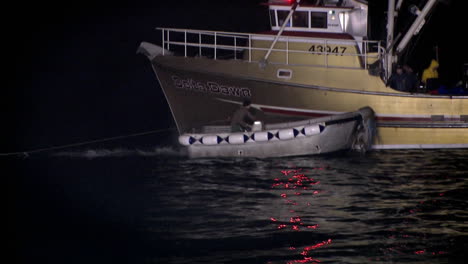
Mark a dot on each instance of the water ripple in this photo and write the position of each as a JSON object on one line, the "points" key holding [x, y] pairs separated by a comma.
{"points": [[384, 207]]}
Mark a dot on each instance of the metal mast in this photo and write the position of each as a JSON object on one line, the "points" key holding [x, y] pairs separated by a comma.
{"points": [[390, 30]]}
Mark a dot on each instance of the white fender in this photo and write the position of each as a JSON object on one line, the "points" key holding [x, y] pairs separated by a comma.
{"points": [[237, 138], [312, 130], [288, 133], [211, 140], [262, 136], [187, 140]]}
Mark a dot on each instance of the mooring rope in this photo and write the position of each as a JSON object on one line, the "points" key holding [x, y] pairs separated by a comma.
{"points": [[27, 153]]}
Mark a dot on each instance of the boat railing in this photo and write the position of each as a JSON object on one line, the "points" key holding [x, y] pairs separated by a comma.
{"points": [[234, 45]]}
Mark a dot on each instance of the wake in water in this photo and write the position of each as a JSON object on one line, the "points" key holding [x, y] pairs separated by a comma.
{"points": [[123, 152]]}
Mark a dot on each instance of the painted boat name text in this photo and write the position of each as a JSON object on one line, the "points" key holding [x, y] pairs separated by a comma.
{"points": [[211, 87]]}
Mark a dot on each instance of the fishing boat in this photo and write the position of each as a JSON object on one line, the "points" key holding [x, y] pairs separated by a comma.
{"points": [[316, 61], [354, 130]]}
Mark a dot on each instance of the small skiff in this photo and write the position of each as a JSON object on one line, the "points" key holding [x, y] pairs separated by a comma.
{"points": [[353, 130]]}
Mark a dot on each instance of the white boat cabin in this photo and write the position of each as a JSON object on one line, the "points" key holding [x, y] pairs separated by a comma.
{"points": [[321, 33], [321, 16]]}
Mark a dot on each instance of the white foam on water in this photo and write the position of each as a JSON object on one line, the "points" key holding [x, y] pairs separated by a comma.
{"points": [[122, 152]]}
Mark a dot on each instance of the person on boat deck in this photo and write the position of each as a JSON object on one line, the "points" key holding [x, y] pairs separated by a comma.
{"points": [[398, 80], [431, 75], [242, 117], [412, 82]]}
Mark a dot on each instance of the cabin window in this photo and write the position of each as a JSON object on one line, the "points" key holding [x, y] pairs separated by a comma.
{"points": [[318, 19], [333, 3], [301, 19], [282, 15], [284, 73], [273, 18]]}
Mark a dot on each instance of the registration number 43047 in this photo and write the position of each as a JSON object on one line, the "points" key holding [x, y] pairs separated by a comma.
{"points": [[319, 49]]}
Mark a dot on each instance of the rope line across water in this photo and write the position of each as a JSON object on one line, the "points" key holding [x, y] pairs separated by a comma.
{"points": [[27, 153]]}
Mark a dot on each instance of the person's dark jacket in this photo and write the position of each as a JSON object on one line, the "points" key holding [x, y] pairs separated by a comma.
{"points": [[399, 82], [241, 116]]}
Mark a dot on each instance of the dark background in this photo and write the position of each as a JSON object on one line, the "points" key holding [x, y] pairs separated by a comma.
{"points": [[72, 73]]}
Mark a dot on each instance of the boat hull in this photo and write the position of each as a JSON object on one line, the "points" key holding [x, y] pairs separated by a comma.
{"points": [[202, 91], [339, 132]]}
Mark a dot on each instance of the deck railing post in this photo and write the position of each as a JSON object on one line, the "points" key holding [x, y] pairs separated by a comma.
{"points": [[250, 47], [185, 43], [235, 48], [365, 54], [378, 47], [168, 40], [215, 42], [163, 41], [287, 50], [199, 45]]}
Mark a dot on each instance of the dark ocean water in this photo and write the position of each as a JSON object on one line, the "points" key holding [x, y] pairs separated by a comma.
{"points": [[114, 205]]}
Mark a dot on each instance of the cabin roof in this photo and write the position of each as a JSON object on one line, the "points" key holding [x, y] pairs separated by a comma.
{"points": [[309, 34], [312, 6]]}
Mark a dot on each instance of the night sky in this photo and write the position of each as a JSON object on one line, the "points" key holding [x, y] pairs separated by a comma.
{"points": [[73, 74]]}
